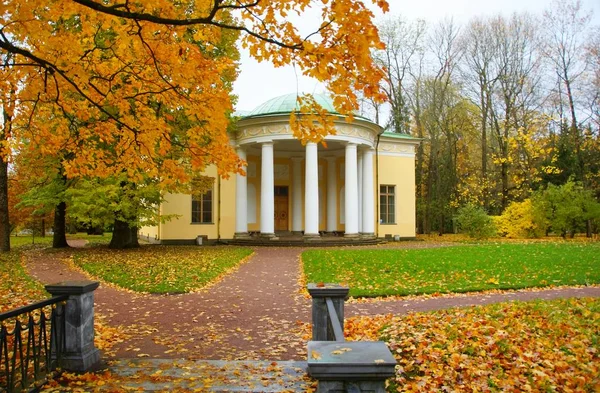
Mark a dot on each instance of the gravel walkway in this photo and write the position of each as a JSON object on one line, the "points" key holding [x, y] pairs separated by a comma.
{"points": [[257, 312]]}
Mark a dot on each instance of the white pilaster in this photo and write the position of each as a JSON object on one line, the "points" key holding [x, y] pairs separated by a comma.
{"points": [[297, 194], [241, 200], [267, 191], [351, 191], [368, 206], [311, 191], [360, 189], [331, 195]]}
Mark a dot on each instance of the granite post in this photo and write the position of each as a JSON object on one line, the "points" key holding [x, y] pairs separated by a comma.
{"points": [[80, 353], [321, 325]]}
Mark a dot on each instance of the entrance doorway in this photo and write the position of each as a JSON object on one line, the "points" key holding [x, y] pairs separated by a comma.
{"points": [[281, 208]]}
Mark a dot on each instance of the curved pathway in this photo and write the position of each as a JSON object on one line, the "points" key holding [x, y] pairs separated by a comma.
{"points": [[257, 312]]}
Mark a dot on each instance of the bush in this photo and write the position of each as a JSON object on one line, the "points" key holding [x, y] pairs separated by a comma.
{"points": [[567, 208], [521, 220], [475, 222]]}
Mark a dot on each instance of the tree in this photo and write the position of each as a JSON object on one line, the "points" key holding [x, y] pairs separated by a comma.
{"points": [[7, 107], [106, 100], [480, 72], [568, 208], [518, 63], [115, 201], [403, 41], [565, 43], [437, 99], [41, 185]]}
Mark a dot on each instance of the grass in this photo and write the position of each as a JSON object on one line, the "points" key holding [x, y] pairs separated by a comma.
{"points": [[161, 269], [466, 268], [16, 287], [93, 240], [19, 241], [542, 346]]}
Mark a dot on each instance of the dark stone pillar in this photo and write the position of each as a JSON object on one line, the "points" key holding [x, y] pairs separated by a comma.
{"points": [[321, 326], [80, 353]]}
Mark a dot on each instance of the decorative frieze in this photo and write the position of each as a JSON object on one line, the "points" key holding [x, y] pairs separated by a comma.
{"points": [[282, 130], [400, 149]]}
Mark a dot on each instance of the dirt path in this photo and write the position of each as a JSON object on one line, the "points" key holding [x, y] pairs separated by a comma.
{"points": [[255, 313]]}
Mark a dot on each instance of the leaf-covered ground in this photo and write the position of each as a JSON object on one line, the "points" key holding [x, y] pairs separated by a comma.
{"points": [[17, 289], [541, 346], [161, 269], [464, 268]]}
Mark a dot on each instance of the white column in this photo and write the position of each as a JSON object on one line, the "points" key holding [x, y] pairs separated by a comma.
{"points": [[267, 191], [360, 190], [241, 200], [351, 191], [331, 195], [311, 191], [368, 215], [297, 195]]}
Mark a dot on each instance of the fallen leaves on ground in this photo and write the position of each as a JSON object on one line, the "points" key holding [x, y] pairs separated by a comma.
{"points": [[161, 269], [107, 337], [186, 376], [17, 289], [532, 346]]}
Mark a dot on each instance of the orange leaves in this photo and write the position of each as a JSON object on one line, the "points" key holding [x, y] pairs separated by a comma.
{"points": [[106, 101], [537, 346], [313, 122], [337, 53]]}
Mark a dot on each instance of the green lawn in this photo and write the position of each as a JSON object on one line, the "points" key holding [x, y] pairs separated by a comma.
{"points": [[93, 240], [18, 241], [465, 268], [161, 269]]}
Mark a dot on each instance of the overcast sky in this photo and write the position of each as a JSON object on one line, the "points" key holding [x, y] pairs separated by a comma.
{"points": [[259, 82]]}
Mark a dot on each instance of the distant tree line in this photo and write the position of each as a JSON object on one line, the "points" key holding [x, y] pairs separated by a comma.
{"points": [[507, 106]]}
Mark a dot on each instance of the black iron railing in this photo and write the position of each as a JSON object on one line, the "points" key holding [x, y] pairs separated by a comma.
{"points": [[32, 341]]}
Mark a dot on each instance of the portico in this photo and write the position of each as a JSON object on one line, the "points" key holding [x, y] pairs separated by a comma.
{"points": [[304, 170], [329, 189]]}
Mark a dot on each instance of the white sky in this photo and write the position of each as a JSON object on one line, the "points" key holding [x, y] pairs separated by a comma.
{"points": [[259, 82]]}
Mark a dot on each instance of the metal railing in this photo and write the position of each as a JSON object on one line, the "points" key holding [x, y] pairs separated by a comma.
{"points": [[32, 341]]}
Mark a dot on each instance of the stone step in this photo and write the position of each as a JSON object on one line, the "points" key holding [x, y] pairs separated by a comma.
{"points": [[174, 375], [282, 242]]}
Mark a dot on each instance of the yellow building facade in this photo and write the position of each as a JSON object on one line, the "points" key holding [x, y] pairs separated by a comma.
{"points": [[360, 186]]}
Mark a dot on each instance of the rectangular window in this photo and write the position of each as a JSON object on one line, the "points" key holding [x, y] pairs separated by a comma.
{"points": [[387, 204], [202, 208]]}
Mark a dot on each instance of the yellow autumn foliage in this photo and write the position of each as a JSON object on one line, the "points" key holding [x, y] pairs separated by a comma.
{"points": [[144, 88], [519, 221]]}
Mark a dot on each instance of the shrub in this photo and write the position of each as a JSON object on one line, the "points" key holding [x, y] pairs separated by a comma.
{"points": [[567, 208], [521, 220], [475, 222]]}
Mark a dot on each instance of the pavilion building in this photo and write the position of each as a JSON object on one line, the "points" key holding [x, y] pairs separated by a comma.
{"points": [[360, 186]]}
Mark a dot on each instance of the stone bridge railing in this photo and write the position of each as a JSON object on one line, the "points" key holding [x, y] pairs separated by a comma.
{"points": [[337, 364]]}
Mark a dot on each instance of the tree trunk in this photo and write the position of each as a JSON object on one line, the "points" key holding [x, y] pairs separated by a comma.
{"points": [[485, 104], [123, 236], [4, 219], [575, 135], [59, 238]]}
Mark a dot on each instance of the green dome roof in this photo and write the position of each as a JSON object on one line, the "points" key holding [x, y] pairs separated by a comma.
{"points": [[287, 104]]}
